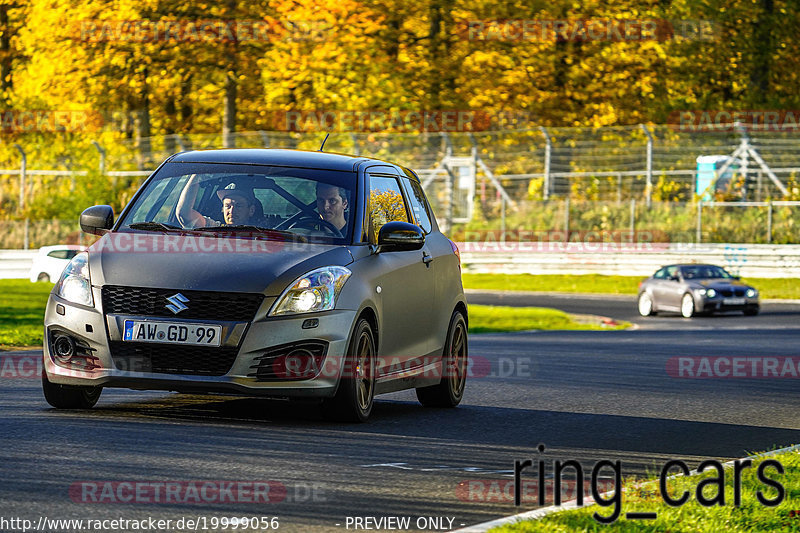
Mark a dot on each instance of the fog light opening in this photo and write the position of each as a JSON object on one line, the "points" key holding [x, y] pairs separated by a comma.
{"points": [[63, 348]]}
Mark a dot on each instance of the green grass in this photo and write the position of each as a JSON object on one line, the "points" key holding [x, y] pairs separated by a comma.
{"points": [[22, 306], [784, 288], [750, 516], [490, 318]]}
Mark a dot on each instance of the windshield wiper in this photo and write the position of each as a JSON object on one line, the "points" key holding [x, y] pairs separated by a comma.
{"points": [[247, 227], [154, 226]]}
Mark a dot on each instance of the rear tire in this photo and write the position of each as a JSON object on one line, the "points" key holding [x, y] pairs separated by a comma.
{"points": [[356, 393], [70, 396], [687, 306], [646, 305], [450, 390]]}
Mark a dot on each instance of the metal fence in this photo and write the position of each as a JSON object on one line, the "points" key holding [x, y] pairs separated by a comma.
{"points": [[577, 179]]}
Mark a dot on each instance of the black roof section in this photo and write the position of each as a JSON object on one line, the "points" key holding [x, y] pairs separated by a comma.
{"points": [[275, 156]]}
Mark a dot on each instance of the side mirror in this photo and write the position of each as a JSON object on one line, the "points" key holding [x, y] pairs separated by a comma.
{"points": [[400, 236], [97, 219]]}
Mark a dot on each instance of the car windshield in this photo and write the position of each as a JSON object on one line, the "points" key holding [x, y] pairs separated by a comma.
{"points": [[705, 272], [310, 205]]}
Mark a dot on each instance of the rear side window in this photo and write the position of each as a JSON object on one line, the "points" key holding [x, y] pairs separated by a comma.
{"points": [[385, 203], [63, 254], [419, 205]]}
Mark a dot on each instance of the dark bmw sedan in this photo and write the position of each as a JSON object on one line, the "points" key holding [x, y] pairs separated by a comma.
{"points": [[273, 273], [695, 289]]}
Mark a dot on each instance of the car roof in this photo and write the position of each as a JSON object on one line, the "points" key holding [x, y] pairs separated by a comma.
{"points": [[690, 265], [276, 156]]}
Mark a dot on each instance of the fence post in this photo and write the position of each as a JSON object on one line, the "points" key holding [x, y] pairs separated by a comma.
{"points": [[23, 169], [566, 219], [699, 221], [356, 146], [502, 218], [264, 138], [633, 217], [548, 152], [102, 157], [649, 186], [769, 222]]}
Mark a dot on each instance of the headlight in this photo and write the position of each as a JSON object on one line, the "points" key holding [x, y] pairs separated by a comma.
{"points": [[74, 284], [711, 293], [312, 292], [751, 293], [701, 292]]}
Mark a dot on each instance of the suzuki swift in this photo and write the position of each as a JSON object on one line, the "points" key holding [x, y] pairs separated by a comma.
{"points": [[275, 273]]}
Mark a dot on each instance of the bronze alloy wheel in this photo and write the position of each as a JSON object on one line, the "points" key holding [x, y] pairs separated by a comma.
{"points": [[365, 380], [355, 396], [449, 391]]}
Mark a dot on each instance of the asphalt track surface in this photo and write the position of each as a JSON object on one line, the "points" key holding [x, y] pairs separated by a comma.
{"points": [[585, 395]]}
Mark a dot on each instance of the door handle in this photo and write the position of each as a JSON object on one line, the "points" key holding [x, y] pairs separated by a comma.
{"points": [[427, 258]]}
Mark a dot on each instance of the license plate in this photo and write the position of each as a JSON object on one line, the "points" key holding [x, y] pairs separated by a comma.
{"points": [[733, 301], [172, 333]]}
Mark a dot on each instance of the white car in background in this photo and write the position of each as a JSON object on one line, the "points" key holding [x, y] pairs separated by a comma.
{"points": [[51, 260]]}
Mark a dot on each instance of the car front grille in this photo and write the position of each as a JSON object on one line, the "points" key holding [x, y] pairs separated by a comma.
{"points": [[223, 306], [733, 291], [172, 359], [177, 359]]}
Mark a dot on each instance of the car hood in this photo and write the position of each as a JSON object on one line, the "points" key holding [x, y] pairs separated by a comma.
{"points": [[717, 284], [206, 262]]}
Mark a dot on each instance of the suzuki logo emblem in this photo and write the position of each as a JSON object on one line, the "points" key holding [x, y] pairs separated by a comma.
{"points": [[176, 302]]}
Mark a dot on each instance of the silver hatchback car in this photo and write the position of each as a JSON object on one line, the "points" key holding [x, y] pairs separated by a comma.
{"points": [[274, 273]]}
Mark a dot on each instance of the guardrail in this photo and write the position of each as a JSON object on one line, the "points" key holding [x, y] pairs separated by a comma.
{"points": [[16, 264], [637, 259]]}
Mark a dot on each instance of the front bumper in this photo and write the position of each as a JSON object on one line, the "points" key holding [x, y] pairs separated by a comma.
{"points": [[720, 305], [99, 337]]}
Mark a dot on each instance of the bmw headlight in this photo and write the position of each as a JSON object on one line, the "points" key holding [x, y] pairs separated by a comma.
{"points": [[312, 292], [751, 293], [74, 284], [711, 293]]}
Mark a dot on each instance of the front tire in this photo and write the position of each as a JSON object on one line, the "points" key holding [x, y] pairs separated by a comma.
{"points": [[450, 390], [687, 306], [646, 305], [70, 396], [356, 393]]}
